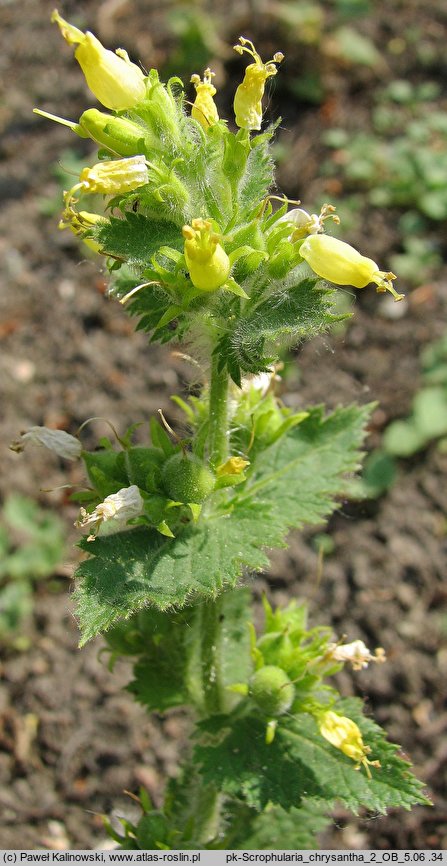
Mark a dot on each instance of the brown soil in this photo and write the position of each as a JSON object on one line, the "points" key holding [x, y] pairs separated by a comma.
{"points": [[71, 741]]}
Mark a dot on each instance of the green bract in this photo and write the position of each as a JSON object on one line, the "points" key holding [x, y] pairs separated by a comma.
{"points": [[200, 251]]}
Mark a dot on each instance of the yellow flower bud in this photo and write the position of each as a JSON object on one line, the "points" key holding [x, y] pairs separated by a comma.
{"points": [[111, 76], [232, 466], [343, 265], [112, 177], [345, 735], [204, 109], [248, 97], [206, 260]]}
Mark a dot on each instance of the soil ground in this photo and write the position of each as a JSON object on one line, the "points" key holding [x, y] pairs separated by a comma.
{"points": [[71, 741]]}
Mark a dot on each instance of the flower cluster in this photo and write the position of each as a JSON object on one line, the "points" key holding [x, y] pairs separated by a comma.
{"points": [[195, 246], [148, 153]]}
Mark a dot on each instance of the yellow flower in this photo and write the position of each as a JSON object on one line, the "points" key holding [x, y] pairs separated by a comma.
{"points": [[345, 735], [232, 466], [115, 81], [80, 223], [248, 97], [206, 260], [340, 263], [204, 109], [112, 177]]}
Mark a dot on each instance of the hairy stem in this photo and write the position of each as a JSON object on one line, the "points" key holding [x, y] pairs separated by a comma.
{"points": [[218, 415], [209, 818]]}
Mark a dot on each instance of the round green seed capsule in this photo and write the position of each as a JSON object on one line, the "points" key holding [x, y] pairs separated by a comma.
{"points": [[186, 479], [272, 690]]}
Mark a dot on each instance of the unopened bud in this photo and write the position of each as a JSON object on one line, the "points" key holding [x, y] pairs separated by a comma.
{"points": [[117, 134]]}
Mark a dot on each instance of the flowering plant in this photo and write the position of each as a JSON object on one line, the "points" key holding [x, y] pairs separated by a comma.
{"points": [[198, 252]]}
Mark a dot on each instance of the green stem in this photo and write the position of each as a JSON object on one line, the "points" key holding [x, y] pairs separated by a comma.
{"points": [[215, 700], [210, 697], [208, 815], [213, 690], [207, 691], [218, 415]]}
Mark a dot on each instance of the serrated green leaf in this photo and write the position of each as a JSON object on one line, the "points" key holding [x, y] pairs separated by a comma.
{"points": [[300, 763], [159, 681], [301, 474], [130, 570], [135, 238], [276, 829], [297, 307], [257, 178], [296, 482], [179, 659]]}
